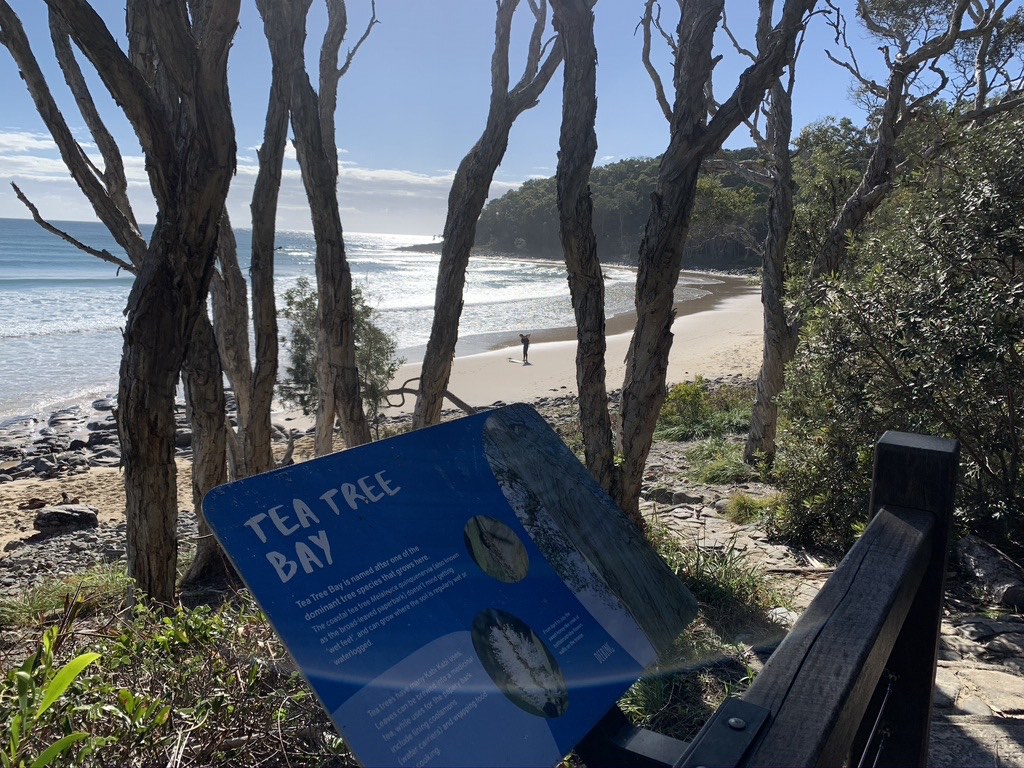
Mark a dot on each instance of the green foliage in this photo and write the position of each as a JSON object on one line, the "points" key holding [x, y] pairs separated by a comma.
{"points": [[734, 595], [719, 462], [375, 351], [831, 156], [909, 19], [693, 410], [743, 509], [526, 219], [199, 687], [105, 584], [28, 693], [727, 583], [927, 336]]}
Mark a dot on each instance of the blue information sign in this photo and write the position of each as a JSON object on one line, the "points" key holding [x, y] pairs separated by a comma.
{"points": [[430, 597]]}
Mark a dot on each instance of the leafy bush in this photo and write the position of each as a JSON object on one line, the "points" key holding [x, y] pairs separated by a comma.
{"points": [[693, 410], [375, 351], [927, 336], [199, 687], [28, 695]]}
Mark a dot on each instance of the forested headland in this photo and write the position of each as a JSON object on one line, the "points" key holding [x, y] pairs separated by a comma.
{"points": [[728, 221]]}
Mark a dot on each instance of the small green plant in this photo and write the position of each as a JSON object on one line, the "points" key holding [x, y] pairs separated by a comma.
{"points": [[27, 697], [375, 352], [198, 687], [734, 596], [105, 585], [686, 410], [719, 462]]}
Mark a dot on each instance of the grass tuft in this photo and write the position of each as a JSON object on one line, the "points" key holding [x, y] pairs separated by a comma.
{"points": [[743, 509], [106, 587], [719, 462], [696, 410], [711, 663]]}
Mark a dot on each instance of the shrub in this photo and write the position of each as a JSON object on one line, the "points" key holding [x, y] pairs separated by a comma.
{"points": [[375, 351], [31, 698], [742, 508], [926, 336], [198, 687]]}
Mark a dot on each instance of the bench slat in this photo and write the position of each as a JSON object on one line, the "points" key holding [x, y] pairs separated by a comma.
{"points": [[819, 682]]}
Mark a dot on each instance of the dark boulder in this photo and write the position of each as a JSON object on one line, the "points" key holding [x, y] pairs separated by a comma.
{"points": [[65, 517]]}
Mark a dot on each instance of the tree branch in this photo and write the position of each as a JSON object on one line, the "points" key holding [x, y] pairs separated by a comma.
{"points": [[405, 389], [216, 32], [113, 174], [749, 91], [362, 39], [527, 92], [732, 38], [533, 52], [1007, 105], [175, 43], [866, 82], [877, 28], [499, 59], [125, 83], [937, 46], [82, 171], [334, 36], [102, 254], [659, 88]]}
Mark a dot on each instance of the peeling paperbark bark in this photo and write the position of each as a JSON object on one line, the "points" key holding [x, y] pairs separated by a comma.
{"points": [[779, 338], [692, 139], [187, 134], [256, 439], [312, 119], [204, 404], [229, 299], [577, 147]]}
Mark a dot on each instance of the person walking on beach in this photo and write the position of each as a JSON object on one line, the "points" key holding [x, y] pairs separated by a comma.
{"points": [[525, 338]]}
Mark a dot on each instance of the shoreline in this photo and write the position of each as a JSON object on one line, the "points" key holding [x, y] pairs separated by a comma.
{"points": [[715, 335], [731, 310]]}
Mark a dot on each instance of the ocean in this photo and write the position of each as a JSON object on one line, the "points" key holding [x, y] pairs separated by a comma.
{"points": [[61, 310]]}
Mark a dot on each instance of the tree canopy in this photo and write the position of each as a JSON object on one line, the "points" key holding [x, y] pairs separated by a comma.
{"points": [[728, 217], [925, 335]]}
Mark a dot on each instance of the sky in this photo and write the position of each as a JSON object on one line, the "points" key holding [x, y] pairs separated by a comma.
{"points": [[411, 106]]}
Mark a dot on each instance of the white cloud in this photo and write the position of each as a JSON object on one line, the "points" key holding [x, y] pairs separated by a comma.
{"points": [[371, 199], [25, 141]]}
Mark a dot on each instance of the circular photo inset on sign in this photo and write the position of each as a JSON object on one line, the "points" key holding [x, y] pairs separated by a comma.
{"points": [[496, 549], [520, 664]]}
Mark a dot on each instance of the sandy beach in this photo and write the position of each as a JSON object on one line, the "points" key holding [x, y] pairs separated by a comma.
{"points": [[716, 335]]}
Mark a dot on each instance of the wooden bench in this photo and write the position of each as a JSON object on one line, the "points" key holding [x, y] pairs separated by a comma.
{"points": [[852, 681]]}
